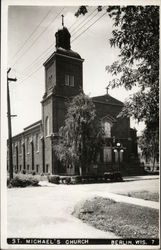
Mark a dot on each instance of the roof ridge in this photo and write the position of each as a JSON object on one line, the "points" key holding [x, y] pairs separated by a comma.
{"points": [[104, 98]]}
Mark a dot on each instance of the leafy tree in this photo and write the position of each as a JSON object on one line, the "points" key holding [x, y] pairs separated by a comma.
{"points": [[136, 34], [149, 144], [80, 138]]}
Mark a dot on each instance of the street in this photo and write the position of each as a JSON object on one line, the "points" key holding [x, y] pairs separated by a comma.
{"points": [[46, 211]]}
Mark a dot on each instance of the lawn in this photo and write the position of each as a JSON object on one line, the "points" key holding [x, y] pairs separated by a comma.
{"points": [[145, 195], [125, 220]]}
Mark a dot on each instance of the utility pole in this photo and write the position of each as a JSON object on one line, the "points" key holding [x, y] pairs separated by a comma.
{"points": [[9, 125]]}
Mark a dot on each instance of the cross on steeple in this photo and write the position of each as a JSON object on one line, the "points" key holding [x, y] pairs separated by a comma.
{"points": [[107, 88], [62, 20]]}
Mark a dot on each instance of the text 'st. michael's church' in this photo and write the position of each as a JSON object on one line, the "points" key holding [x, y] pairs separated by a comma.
{"points": [[33, 148]]}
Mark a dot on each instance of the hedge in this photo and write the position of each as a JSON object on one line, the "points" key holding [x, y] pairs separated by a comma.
{"points": [[22, 181], [54, 179]]}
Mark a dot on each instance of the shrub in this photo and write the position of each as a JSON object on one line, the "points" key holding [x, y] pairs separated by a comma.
{"points": [[54, 179], [33, 172], [76, 179], [117, 176], [8, 181], [65, 179], [23, 181]]}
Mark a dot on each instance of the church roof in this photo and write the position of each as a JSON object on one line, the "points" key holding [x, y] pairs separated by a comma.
{"points": [[33, 125], [107, 99]]}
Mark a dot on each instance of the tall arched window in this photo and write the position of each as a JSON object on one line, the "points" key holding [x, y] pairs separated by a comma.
{"points": [[107, 129], [37, 142], [27, 145], [47, 126], [20, 147]]}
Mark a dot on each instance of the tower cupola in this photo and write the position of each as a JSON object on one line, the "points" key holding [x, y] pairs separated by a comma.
{"points": [[63, 39]]}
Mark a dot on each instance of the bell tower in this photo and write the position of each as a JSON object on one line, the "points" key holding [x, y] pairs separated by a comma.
{"points": [[63, 80], [63, 69]]}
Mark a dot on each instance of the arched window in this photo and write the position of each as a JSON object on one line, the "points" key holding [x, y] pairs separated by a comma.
{"points": [[27, 145], [47, 126], [20, 147], [107, 129], [37, 142]]}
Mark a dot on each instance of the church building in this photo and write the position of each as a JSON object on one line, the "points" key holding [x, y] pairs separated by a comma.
{"points": [[33, 148]]}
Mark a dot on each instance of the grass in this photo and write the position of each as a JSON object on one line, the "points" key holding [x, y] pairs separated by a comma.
{"points": [[125, 220], [146, 195]]}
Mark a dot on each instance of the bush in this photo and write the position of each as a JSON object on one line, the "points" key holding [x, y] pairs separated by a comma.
{"points": [[76, 179], [54, 179], [33, 172], [116, 176], [8, 181], [23, 181], [65, 179]]}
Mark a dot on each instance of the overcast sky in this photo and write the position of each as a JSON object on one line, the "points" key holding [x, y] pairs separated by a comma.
{"points": [[31, 40]]}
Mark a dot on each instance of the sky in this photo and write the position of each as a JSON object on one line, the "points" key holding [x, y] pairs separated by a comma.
{"points": [[31, 40]]}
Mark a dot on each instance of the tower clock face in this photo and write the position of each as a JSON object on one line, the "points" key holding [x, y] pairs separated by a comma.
{"points": [[50, 74]]}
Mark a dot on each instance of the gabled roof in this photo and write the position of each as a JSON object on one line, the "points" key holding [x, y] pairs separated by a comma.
{"points": [[107, 99]]}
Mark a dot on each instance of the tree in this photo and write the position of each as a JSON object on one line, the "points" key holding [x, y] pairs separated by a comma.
{"points": [[80, 139], [149, 145], [136, 34]]}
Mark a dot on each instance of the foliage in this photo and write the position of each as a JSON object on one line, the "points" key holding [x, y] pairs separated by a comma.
{"points": [[80, 138], [65, 179], [82, 10], [137, 36], [22, 181], [54, 179], [149, 144], [76, 179]]}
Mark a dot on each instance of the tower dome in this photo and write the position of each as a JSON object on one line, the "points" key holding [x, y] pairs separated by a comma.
{"points": [[63, 39], [63, 43]]}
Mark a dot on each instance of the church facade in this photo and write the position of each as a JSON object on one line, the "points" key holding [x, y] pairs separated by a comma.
{"points": [[33, 148]]}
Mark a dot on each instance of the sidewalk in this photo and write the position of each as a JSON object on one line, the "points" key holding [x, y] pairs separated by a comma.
{"points": [[129, 200], [140, 177], [114, 196]]}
